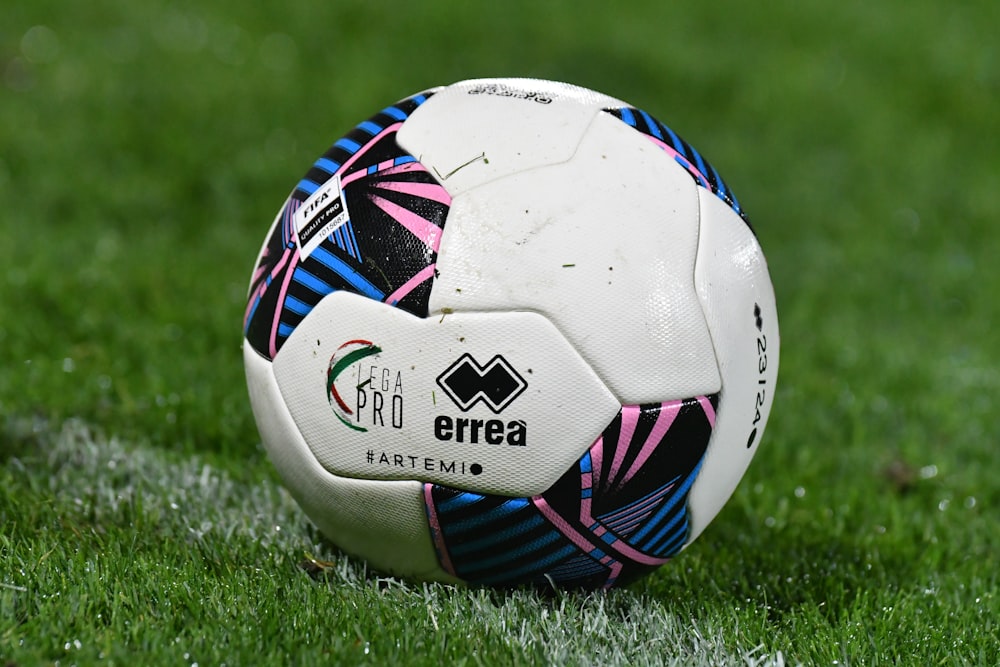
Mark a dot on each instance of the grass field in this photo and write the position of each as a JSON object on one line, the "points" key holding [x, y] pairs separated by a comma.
{"points": [[144, 148]]}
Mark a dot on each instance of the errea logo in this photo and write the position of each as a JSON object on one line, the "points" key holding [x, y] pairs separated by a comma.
{"points": [[495, 384]]}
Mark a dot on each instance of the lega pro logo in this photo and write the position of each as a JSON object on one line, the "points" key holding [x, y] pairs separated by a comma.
{"points": [[495, 384], [361, 392]]}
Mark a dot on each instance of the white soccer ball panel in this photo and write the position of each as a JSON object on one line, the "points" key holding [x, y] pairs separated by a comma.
{"points": [[401, 412], [454, 133], [380, 521], [609, 261], [738, 300]]}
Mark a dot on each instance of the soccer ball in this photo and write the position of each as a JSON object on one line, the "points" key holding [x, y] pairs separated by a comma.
{"points": [[510, 332]]}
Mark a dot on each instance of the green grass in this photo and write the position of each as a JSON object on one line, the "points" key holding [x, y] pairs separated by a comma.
{"points": [[144, 148]]}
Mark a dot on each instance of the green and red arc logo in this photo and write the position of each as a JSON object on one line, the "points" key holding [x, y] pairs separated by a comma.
{"points": [[346, 356]]}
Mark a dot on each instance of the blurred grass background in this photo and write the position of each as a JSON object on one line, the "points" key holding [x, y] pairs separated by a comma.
{"points": [[144, 148]]}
